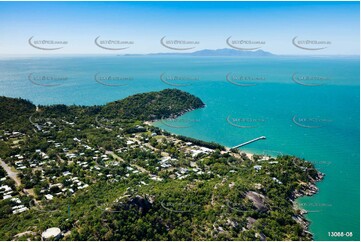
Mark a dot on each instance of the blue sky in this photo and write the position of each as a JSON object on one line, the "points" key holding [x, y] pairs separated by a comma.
{"points": [[209, 23]]}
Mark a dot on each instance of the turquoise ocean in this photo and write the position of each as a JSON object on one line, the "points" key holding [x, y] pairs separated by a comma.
{"points": [[305, 106]]}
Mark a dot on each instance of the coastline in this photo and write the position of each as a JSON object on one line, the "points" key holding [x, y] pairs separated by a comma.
{"points": [[309, 183], [307, 189]]}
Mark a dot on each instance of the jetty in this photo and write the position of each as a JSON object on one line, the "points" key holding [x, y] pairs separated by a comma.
{"points": [[248, 142]]}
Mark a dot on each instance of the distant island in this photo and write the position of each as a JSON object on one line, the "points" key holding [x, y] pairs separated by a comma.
{"points": [[217, 52], [105, 173]]}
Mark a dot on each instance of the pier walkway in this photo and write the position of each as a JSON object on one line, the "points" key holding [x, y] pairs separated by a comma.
{"points": [[248, 142]]}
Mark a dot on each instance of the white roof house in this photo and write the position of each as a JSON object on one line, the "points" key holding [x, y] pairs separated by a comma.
{"points": [[257, 167], [20, 210], [51, 233], [6, 188], [7, 196]]}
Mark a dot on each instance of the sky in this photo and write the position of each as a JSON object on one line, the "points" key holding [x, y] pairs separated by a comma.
{"points": [[206, 24]]}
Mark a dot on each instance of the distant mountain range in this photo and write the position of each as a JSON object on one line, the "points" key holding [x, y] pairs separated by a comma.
{"points": [[207, 52]]}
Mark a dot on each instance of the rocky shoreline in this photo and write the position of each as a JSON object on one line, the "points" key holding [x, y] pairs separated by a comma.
{"points": [[308, 189]]}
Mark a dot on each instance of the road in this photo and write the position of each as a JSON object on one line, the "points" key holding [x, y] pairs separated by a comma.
{"points": [[115, 156], [12, 174]]}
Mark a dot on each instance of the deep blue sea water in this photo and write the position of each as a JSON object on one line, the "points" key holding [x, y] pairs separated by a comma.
{"points": [[305, 106]]}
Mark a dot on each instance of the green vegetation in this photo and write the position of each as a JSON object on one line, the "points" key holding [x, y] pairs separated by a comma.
{"points": [[102, 173], [153, 105], [210, 145]]}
